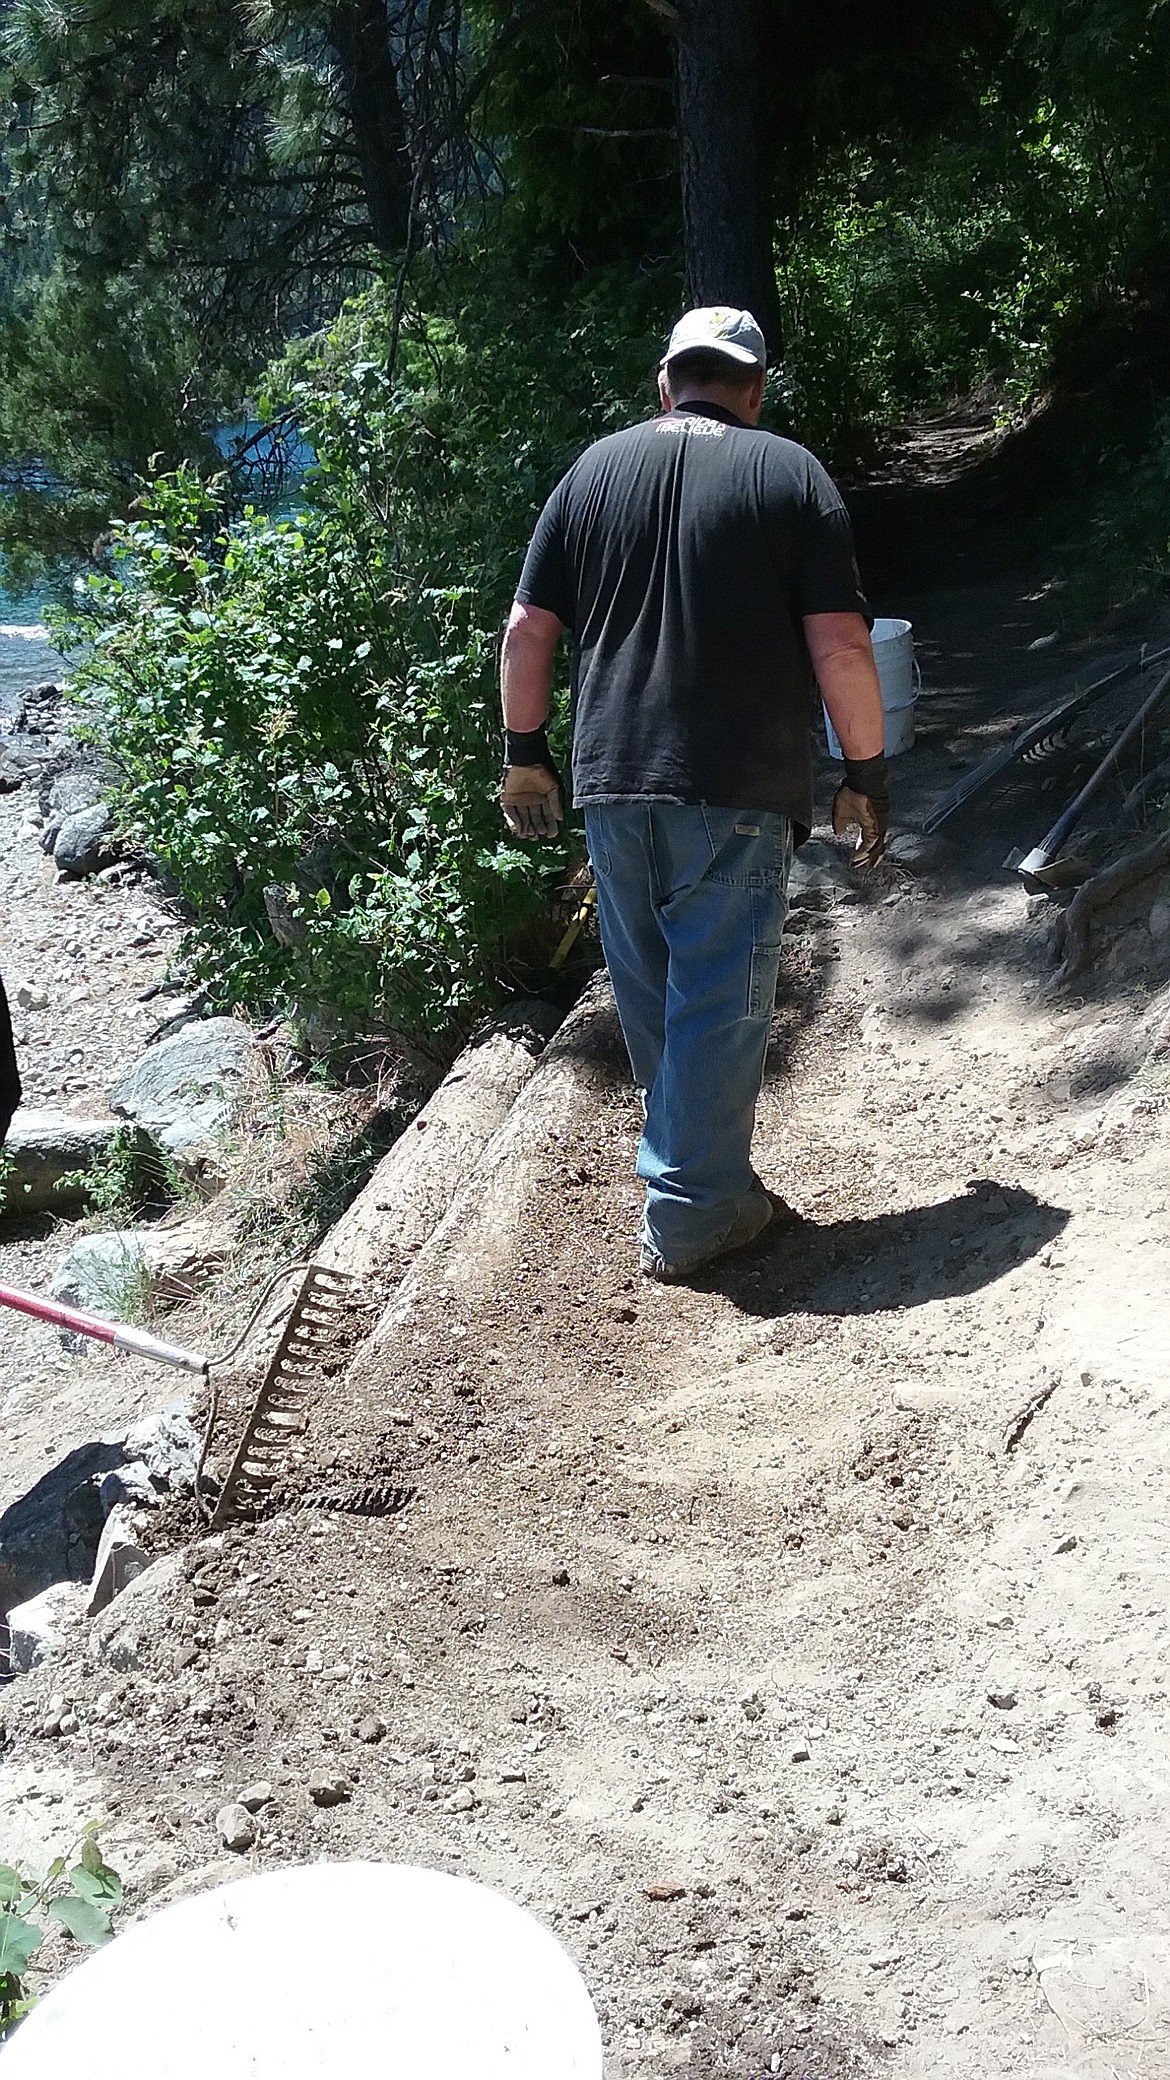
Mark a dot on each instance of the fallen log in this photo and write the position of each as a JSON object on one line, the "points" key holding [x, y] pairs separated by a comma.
{"points": [[477, 1238], [416, 1181], [1094, 895]]}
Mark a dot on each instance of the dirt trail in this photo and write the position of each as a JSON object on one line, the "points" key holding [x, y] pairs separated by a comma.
{"points": [[796, 1645]]}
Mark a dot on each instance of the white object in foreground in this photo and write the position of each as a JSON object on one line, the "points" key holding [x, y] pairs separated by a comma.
{"points": [[324, 1972]]}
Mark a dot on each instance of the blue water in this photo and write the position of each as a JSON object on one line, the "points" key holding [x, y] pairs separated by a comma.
{"points": [[24, 609]]}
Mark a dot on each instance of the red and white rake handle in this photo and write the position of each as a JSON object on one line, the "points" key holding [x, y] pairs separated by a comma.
{"points": [[123, 1335]]}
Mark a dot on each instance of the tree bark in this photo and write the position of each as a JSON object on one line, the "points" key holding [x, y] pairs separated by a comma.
{"points": [[358, 33], [727, 225]]}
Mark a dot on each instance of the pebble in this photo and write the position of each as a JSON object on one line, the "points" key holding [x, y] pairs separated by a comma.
{"points": [[1003, 1700], [330, 1791], [253, 1796], [237, 1828], [370, 1729], [461, 1801], [801, 1753]]}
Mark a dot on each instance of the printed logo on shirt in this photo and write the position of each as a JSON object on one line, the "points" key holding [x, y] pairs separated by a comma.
{"points": [[714, 429]]}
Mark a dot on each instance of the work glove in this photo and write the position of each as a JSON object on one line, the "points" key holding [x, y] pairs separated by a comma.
{"points": [[863, 799], [531, 795]]}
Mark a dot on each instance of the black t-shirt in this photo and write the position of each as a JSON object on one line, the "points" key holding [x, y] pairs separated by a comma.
{"points": [[682, 554]]}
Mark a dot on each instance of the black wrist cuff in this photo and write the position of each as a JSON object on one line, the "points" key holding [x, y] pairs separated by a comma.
{"points": [[868, 776], [527, 747]]}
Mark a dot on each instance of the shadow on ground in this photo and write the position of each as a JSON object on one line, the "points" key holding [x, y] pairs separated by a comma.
{"points": [[50, 1533], [891, 1260]]}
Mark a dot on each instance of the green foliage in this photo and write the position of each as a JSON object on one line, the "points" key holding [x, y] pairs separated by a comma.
{"points": [[304, 706], [126, 1177], [1123, 552], [908, 285], [81, 1900]]}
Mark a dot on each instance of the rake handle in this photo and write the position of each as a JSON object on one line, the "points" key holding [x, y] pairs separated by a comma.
{"points": [[122, 1335]]}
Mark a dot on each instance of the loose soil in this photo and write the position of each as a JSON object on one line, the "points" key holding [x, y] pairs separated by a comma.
{"points": [[795, 1644]]}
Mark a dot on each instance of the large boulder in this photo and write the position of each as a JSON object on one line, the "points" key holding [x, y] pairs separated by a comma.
{"points": [[181, 1089], [40, 1628], [102, 1274], [81, 845], [125, 1271], [49, 1154]]}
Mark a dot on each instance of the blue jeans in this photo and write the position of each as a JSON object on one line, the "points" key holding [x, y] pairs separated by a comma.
{"points": [[691, 901]]}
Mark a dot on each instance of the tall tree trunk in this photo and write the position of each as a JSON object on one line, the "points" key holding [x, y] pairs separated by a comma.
{"points": [[727, 226], [359, 35]]}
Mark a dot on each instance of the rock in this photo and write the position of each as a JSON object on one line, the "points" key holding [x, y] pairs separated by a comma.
{"points": [[29, 997], [236, 1828], [17, 766], [370, 1730], [289, 929], [330, 1791], [81, 843], [128, 1487], [461, 1801], [1106, 1718], [820, 866], [68, 1723], [912, 849], [180, 1089], [45, 1147], [52, 1532], [916, 1398], [1003, 1700], [560, 1577], [102, 1274], [254, 1796], [129, 1274], [1160, 920], [801, 1753], [39, 1628], [168, 1445], [120, 1560], [123, 1635], [68, 793]]}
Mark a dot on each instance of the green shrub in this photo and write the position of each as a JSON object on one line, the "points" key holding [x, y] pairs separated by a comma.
{"points": [[304, 707], [80, 1900]]}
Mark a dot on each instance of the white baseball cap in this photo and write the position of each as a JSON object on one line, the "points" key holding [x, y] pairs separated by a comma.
{"points": [[717, 329]]}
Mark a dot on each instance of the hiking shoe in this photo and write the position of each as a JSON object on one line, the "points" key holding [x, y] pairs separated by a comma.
{"points": [[762, 1209]]}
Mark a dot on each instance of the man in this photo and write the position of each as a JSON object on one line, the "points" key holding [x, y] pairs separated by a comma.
{"points": [[701, 565], [9, 1073]]}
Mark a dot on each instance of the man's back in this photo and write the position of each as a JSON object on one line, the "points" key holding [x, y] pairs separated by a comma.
{"points": [[683, 554]]}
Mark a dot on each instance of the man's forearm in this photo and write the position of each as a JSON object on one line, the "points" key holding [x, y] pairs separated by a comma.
{"points": [[526, 667], [852, 693], [842, 658]]}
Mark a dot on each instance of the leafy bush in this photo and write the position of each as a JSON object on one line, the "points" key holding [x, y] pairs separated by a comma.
{"points": [[1124, 552], [303, 706], [80, 1900], [910, 283]]}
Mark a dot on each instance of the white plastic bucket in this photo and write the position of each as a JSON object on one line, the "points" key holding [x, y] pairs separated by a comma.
{"points": [[893, 654]]}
